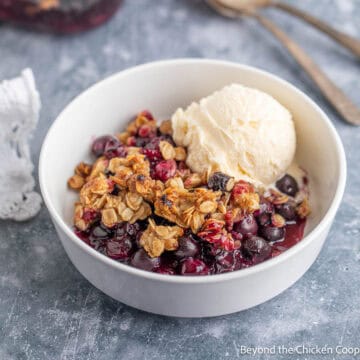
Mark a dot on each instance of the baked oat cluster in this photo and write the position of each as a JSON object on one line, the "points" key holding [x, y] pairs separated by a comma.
{"points": [[140, 204]]}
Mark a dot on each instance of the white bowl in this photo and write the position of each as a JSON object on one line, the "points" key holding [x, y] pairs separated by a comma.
{"points": [[162, 87]]}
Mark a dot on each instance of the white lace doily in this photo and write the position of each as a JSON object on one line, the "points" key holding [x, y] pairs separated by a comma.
{"points": [[19, 113]]}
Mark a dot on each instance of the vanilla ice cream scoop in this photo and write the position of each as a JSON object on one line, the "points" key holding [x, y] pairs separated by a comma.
{"points": [[240, 131]]}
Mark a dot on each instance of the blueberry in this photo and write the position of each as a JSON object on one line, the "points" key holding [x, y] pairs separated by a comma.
{"points": [[225, 262], [100, 232], [187, 248], [264, 219], [142, 260], [116, 190], [257, 249], [98, 146], [132, 229], [119, 249], [141, 142], [103, 144], [288, 185], [219, 181], [246, 226], [287, 211], [120, 230], [272, 233]]}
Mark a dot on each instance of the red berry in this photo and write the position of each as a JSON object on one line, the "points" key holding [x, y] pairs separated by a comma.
{"points": [[146, 131], [242, 187], [165, 170], [152, 154], [90, 215], [131, 141]]}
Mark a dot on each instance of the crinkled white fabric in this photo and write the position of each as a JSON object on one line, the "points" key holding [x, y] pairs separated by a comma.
{"points": [[19, 113]]}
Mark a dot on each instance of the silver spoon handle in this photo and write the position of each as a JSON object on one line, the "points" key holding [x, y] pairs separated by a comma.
{"points": [[343, 39], [334, 95]]}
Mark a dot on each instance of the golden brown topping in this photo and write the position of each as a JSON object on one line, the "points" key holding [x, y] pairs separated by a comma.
{"points": [[76, 182], [165, 127], [175, 182], [112, 201], [243, 196], [208, 206], [132, 128], [99, 167], [142, 119], [218, 216], [156, 239], [124, 169], [277, 198], [223, 203], [123, 174], [145, 186], [277, 220], [183, 173], [230, 184], [133, 200], [109, 217], [115, 164], [180, 154], [142, 213], [99, 202], [123, 137], [183, 207], [167, 150], [247, 202], [134, 162], [126, 214], [138, 164], [83, 169], [193, 181], [79, 222], [93, 190], [133, 150], [303, 209]]}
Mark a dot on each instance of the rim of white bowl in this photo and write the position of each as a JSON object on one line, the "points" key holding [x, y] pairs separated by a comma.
{"points": [[341, 181]]}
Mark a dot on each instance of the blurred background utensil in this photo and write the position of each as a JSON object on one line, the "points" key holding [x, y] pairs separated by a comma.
{"points": [[344, 106], [343, 39]]}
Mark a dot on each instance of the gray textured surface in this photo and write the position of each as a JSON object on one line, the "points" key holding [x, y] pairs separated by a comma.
{"points": [[49, 311]]}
